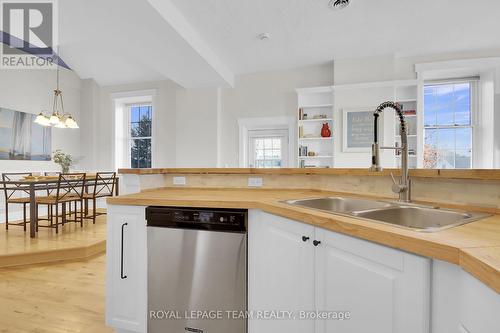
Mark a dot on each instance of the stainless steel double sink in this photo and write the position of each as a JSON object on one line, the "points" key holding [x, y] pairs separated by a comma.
{"points": [[405, 215]]}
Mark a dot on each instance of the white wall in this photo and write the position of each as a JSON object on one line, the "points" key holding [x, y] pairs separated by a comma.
{"points": [[487, 137], [101, 128], [197, 127], [496, 158], [266, 94], [31, 91]]}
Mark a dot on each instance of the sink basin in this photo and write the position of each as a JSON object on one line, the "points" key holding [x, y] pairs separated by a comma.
{"points": [[420, 218], [410, 216], [339, 204]]}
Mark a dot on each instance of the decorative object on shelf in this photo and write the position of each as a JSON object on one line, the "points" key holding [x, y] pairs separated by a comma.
{"points": [[301, 113], [320, 116], [325, 131], [58, 118], [311, 153], [303, 151], [63, 159]]}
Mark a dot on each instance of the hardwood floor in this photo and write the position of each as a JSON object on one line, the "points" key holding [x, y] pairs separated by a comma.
{"points": [[54, 298], [72, 242]]}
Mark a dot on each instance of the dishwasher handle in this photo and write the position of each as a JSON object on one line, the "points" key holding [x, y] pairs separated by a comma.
{"points": [[121, 254]]}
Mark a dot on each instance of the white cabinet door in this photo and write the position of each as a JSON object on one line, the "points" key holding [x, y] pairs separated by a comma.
{"points": [[126, 275], [461, 303], [383, 289], [280, 272], [479, 306]]}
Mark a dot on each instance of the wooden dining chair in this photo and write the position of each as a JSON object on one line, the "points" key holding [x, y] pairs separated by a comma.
{"points": [[10, 197], [70, 189], [102, 186]]}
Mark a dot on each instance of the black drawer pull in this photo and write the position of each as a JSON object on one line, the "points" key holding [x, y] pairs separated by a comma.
{"points": [[305, 238], [316, 242], [121, 258]]}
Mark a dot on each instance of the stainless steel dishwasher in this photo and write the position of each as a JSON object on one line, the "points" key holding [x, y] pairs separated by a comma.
{"points": [[197, 270]]}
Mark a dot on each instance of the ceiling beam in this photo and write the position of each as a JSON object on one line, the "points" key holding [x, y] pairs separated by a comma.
{"points": [[178, 22]]}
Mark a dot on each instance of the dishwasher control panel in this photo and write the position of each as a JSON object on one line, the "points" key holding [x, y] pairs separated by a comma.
{"points": [[197, 218]]}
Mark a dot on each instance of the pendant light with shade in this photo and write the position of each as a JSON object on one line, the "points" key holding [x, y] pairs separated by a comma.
{"points": [[58, 118]]}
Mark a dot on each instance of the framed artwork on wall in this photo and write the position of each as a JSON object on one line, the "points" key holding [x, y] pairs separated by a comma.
{"points": [[22, 139], [357, 130]]}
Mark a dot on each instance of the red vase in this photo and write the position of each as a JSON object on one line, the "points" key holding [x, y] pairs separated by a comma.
{"points": [[325, 131]]}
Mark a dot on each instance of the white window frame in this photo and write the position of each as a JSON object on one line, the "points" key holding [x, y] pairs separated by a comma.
{"points": [[475, 111], [268, 133], [265, 123], [128, 108], [120, 131]]}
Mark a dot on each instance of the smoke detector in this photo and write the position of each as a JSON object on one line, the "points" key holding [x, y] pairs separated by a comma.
{"points": [[338, 4], [264, 36]]}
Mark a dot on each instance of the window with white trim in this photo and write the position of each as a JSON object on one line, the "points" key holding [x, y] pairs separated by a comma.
{"points": [[448, 124], [268, 148], [141, 118]]}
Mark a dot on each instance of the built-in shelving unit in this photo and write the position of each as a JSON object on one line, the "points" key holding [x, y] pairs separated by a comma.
{"points": [[315, 108]]}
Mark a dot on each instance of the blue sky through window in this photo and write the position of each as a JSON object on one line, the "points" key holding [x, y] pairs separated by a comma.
{"points": [[447, 122]]}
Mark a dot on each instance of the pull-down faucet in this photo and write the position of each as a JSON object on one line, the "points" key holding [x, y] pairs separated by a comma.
{"points": [[403, 187]]}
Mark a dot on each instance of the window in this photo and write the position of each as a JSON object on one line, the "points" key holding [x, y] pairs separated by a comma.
{"points": [[448, 112], [140, 135], [268, 148]]}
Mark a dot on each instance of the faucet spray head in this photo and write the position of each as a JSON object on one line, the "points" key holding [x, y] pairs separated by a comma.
{"points": [[375, 158]]}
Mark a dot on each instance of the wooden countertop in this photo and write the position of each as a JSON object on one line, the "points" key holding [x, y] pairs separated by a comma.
{"points": [[474, 246], [484, 174]]}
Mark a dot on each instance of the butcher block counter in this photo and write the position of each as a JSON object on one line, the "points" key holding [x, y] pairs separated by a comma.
{"points": [[474, 246]]}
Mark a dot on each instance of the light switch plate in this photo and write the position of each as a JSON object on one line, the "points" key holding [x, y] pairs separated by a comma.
{"points": [[255, 182], [179, 180]]}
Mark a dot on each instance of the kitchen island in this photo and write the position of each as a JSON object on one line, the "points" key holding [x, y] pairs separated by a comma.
{"points": [[450, 278]]}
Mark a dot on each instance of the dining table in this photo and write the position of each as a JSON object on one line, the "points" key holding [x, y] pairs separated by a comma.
{"points": [[33, 184]]}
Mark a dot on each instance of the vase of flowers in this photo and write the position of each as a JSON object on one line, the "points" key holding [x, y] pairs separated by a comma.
{"points": [[64, 160]]}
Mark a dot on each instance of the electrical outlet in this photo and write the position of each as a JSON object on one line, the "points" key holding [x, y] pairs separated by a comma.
{"points": [[255, 182], [179, 180]]}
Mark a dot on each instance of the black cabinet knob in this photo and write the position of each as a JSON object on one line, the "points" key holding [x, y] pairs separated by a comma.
{"points": [[316, 242], [305, 238]]}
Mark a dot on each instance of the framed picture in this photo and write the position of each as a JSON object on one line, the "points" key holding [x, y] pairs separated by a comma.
{"points": [[357, 129], [21, 138]]}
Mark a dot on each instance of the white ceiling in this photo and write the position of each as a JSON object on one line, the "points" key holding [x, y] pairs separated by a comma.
{"points": [[127, 41], [206, 42], [306, 32]]}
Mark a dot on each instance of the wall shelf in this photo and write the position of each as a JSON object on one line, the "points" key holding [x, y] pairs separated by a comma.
{"points": [[313, 120], [314, 157], [317, 138], [317, 104]]}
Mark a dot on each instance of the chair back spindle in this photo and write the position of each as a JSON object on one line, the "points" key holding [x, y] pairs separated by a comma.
{"points": [[11, 189], [70, 185]]}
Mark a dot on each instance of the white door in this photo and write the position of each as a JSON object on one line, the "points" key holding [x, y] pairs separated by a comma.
{"points": [[383, 289], [280, 272], [126, 275], [268, 148]]}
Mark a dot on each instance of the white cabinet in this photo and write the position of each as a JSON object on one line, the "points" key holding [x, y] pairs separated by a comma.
{"points": [[281, 271], [126, 275], [383, 289], [461, 303]]}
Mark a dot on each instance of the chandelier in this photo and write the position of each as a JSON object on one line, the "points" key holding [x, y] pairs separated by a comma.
{"points": [[58, 118]]}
